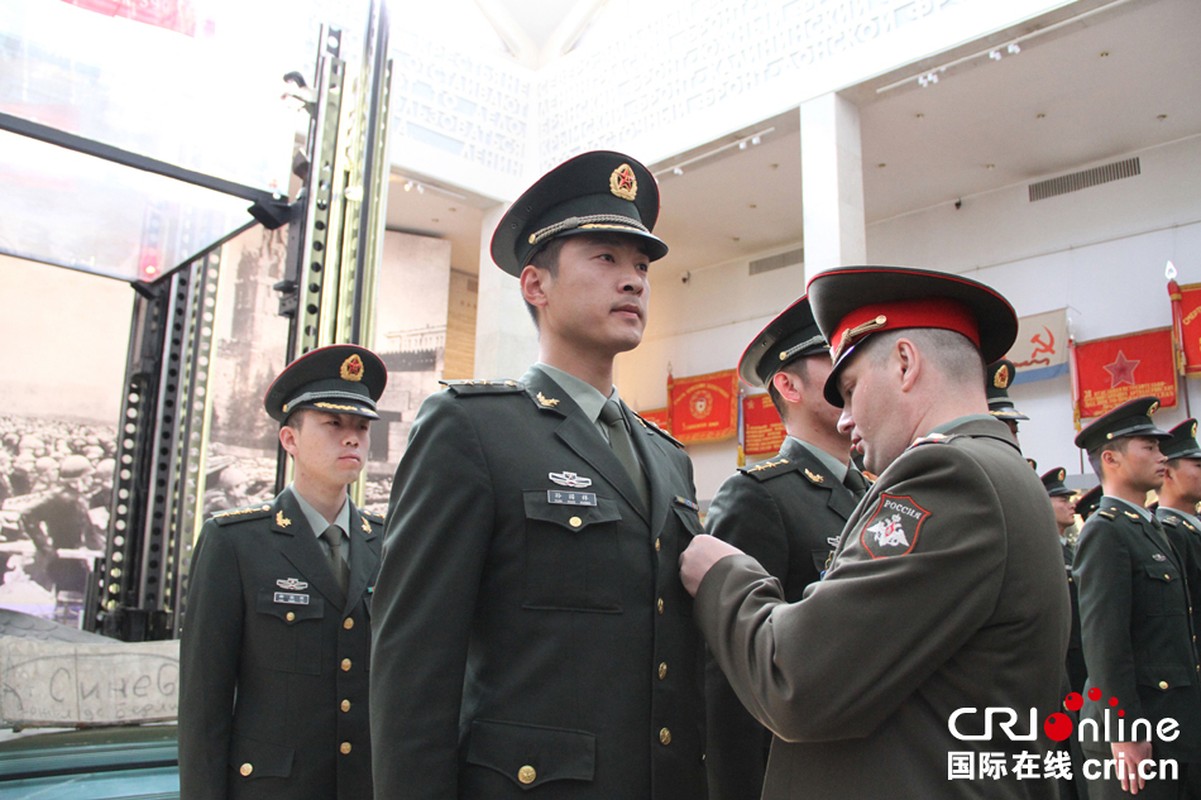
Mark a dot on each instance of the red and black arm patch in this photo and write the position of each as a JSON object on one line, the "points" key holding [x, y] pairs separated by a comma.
{"points": [[893, 527]]}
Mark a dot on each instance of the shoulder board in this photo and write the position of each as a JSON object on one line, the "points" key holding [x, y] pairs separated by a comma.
{"points": [[378, 519], [934, 438], [1107, 513], [1171, 520], [476, 387], [769, 469], [242, 514], [646, 423], [1132, 515]]}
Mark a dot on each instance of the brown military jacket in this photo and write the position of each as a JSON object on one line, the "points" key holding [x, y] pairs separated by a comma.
{"points": [[945, 593]]}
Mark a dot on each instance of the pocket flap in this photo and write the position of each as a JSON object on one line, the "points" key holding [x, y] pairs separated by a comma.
{"points": [[252, 758], [531, 755], [1163, 572], [290, 608], [1164, 676], [572, 517]]}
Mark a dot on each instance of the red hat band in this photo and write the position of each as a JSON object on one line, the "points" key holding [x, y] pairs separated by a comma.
{"points": [[932, 312]]}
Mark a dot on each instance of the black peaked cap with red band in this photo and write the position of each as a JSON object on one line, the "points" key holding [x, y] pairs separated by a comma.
{"points": [[852, 303], [596, 192]]}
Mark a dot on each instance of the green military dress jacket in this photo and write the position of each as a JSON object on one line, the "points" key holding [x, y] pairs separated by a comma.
{"points": [[1136, 627], [945, 593], [274, 659], [787, 514], [532, 636]]}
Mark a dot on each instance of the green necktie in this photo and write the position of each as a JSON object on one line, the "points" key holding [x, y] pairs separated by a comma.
{"points": [[333, 536], [623, 448]]}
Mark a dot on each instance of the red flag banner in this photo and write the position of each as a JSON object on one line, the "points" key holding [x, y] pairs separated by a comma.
{"points": [[1190, 327], [659, 416], [174, 15], [762, 428], [1119, 368], [704, 408]]}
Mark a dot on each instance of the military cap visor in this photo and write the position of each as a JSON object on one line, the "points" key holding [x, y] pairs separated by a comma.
{"points": [[791, 335], [596, 192], [1182, 441], [1087, 503], [998, 378], [852, 303], [1132, 418], [339, 379], [1053, 483]]}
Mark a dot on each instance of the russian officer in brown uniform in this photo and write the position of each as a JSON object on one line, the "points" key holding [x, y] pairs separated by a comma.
{"points": [[277, 635], [945, 595], [1135, 618], [786, 513], [532, 638]]}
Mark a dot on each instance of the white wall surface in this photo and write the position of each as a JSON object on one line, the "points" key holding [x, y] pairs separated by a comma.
{"points": [[1100, 252]]}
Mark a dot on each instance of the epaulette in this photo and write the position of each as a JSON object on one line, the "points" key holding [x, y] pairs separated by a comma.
{"points": [[478, 387], [646, 423], [242, 514], [769, 469], [933, 438], [1107, 513]]}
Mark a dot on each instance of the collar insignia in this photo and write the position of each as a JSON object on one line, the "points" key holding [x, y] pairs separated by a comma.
{"points": [[547, 402], [366, 524], [281, 520], [291, 584], [570, 480], [815, 477]]}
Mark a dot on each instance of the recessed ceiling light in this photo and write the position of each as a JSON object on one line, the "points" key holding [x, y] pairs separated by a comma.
{"points": [[1104, 54], [752, 205], [920, 115], [881, 165], [1040, 115], [1162, 117], [990, 166]]}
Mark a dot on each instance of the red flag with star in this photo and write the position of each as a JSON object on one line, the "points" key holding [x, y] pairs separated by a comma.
{"points": [[1119, 368]]}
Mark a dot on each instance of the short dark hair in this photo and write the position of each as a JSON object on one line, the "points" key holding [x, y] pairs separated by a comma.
{"points": [[1094, 455]]}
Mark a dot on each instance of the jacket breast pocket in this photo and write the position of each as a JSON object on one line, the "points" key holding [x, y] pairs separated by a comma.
{"points": [[571, 555], [1162, 589], [288, 634]]}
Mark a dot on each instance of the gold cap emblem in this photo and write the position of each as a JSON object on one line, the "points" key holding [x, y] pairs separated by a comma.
{"points": [[1062, 474], [1001, 378], [1194, 431], [1154, 407], [352, 369], [622, 182]]}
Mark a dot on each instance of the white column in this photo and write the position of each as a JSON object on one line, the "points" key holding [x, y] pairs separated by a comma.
{"points": [[505, 340], [832, 184]]}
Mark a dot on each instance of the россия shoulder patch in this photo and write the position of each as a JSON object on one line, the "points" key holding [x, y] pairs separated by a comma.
{"points": [[893, 528]]}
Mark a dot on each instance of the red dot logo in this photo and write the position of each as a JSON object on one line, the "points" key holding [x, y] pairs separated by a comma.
{"points": [[1074, 701], [1058, 727], [1094, 694]]}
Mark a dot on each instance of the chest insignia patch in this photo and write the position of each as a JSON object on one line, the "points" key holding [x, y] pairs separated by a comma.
{"points": [[291, 584], [893, 528], [570, 480]]}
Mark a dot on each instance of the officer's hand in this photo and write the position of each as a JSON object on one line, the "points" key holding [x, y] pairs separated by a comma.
{"points": [[702, 553], [1129, 755]]}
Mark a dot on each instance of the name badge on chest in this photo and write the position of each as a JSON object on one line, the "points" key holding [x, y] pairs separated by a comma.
{"points": [[291, 598], [558, 497]]}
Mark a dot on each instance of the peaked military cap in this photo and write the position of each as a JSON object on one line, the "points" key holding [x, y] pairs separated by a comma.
{"points": [[339, 378], [1088, 502], [852, 303], [1053, 482], [791, 335], [596, 192], [1183, 441], [1132, 418], [998, 378]]}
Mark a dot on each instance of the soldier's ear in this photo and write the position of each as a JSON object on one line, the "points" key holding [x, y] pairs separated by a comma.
{"points": [[788, 385], [534, 283], [287, 438]]}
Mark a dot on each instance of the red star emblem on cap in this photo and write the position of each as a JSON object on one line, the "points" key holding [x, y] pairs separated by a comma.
{"points": [[1121, 370]]}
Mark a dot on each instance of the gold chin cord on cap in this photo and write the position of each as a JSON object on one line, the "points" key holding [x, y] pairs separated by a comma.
{"points": [[588, 221], [850, 335]]}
